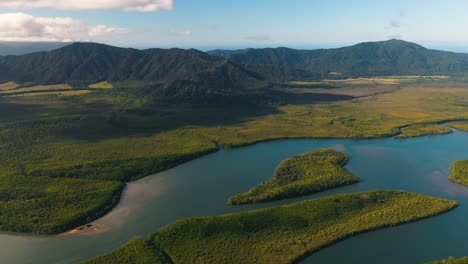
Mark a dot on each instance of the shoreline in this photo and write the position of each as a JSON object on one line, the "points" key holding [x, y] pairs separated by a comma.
{"points": [[220, 147]]}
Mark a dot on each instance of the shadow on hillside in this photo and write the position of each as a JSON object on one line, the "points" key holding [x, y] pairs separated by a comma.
{"points": [[100, 121], [150, 120]]}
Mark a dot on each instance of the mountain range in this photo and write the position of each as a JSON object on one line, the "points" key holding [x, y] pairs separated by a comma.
{"points": [[177, 72]]}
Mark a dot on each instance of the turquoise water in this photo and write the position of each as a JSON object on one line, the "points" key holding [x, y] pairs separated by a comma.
{"points": [[202, 187]]}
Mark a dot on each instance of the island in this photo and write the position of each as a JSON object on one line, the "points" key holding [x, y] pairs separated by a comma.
{"points": [[308, 173], [283, 234], [459, 172]]}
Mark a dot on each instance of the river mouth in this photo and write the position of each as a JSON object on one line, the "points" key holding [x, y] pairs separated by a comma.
{"points": [[202, 187]]}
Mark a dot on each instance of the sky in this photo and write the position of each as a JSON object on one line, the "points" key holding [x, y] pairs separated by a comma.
{"points": [[207, 24]]}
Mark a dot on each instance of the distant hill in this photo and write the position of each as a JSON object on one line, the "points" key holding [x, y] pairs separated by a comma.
{"points": [[393, 57], [193, 73], [184, 72], [21, 48]]}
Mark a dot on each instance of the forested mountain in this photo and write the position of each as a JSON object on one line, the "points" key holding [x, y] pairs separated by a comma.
{"points": [[20, 48], [178, 72], [393, 57], [193, 71]]}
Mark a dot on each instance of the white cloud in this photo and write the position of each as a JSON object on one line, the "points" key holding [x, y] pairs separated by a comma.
{"points": [[128, 5], [24, 27]]}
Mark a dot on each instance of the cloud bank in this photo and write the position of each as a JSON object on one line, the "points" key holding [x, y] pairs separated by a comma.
{"points": [[24, 27], [128, 5]]}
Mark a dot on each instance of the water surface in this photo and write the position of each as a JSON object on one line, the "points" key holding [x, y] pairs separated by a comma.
{"points": [[202, 187]]}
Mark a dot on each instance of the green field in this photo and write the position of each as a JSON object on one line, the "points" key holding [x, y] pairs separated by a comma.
{"points": [[288, 233], [451, 260], [459, 172], [307, 173]]}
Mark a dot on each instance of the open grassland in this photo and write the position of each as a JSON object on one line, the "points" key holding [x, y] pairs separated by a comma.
{"points": [[101, 85], [45, 205], [136, 251], [451, 260], [392, 80], [307, 173], [55, 93], [8, 86], [288, 233], [38, 88], [114, 135], [459, 172], [353, 91], [379, 116], [423, 130]]}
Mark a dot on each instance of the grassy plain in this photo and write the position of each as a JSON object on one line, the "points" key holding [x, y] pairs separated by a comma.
{"points": [[307, 173], [288, 233], [8, 86]]}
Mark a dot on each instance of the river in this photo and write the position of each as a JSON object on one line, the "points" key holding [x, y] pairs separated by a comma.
{"points": [[202, 187]]}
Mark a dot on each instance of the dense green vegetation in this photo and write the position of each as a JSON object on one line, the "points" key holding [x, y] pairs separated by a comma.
{"points": [[120, 134], [459, 172], [173, 72], [460, 125], [46, 205], [423, 130], [451, 260], [155, 119], [393, 57], [135, 251], [307, 173], [288, 233]]}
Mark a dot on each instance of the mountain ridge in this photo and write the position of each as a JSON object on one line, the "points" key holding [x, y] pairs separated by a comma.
{"points": [[392, 57], [193, 73]]}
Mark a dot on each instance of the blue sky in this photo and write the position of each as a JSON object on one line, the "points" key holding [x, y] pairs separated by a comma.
{"points": [[261, 23]]}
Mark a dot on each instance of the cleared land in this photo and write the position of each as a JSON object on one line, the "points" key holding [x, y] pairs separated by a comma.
{"points": [[8, 86], [60, 93], [38, 88], [459, 172], [288, 233], [307, 173]]}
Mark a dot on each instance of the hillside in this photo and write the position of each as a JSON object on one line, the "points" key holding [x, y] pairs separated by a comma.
{"points": [[20, 48], [189, 72], [163, 73], [393, 57]]}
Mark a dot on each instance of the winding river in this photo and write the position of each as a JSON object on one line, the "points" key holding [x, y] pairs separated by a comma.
{"points": [[201, 187]]}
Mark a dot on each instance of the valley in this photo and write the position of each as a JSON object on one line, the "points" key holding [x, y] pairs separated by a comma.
{"points": [[72, 139]]}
